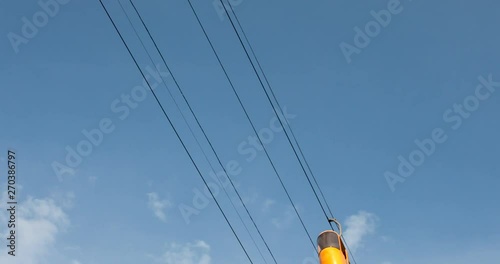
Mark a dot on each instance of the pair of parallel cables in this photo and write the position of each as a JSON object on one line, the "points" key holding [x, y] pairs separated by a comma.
{"points": [[205, 135], [250, 51]]}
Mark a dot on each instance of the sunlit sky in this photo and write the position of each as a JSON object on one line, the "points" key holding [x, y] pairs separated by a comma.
{"points": [[430, 73]]}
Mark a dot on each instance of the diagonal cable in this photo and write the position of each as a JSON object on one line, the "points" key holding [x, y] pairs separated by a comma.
{"points": [[281, 111], [251, 123], [174, 129], [203, 131]]}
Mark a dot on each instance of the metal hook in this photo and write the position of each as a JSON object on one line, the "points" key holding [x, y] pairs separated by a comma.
{"points": [[339, 226]]}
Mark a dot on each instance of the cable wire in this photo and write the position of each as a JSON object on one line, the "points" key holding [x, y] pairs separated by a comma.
{"points": [[274, 109], [281, 111], [248, 117], [199, 125], [201, 128], [174, 129]]}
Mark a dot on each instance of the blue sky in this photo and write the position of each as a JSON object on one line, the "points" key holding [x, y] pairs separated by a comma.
{"points": [[354, 120]]}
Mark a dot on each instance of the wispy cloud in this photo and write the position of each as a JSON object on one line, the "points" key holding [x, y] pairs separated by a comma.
{"points": [[40, 221], [268, 203], [250, 199], [357, 227], [158, 206], [65, 199], [190, 253], [286, 220]]}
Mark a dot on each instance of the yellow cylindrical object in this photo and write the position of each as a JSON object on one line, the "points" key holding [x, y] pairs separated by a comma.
{"points": [[331, 256], [331, 248]]}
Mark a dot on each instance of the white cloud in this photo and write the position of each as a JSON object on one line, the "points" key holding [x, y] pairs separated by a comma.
{"points": [[191, 253], [357, 227], [158, 206], [286, 220], [250, 199], [268, 203], [65, 199], [38, 223]]}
